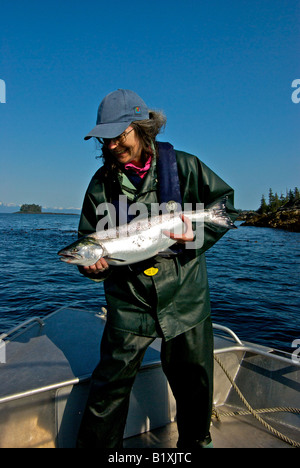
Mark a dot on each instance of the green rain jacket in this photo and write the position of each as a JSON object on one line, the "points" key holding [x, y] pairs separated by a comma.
{"points": [[176, 298]]}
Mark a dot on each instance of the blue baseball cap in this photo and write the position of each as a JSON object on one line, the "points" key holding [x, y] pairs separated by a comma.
{"points": [[116, 112]]}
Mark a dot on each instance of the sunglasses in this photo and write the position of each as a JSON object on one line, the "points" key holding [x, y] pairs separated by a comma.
{"points": [[119, 139]]}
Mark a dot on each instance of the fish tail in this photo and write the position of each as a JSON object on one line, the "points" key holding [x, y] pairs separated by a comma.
{"points": [[215, 215], [219, 210]]}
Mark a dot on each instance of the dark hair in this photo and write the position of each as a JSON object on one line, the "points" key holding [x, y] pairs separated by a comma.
{"points": [[146, 131]]}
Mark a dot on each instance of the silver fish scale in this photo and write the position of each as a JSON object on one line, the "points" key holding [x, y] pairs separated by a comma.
{"points": [[141, 240]]}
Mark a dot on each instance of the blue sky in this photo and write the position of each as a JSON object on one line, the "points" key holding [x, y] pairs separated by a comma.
{"points": [[220, 69]]}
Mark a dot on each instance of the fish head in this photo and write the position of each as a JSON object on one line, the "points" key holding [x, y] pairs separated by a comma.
{"points": [[84, 252]]}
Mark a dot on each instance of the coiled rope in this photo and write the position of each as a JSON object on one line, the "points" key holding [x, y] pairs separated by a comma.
{"points": [[254, 412]]}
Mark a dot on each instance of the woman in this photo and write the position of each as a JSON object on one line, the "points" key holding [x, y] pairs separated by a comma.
{"points": [[166, 296]]}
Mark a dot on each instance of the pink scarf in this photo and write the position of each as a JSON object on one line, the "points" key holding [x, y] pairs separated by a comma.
{"points": [[140, 171]]}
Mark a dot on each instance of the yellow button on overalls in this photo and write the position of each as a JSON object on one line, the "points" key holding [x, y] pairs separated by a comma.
{"points": [[151, 271]]}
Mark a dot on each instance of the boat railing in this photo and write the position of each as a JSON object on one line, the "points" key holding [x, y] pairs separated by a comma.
{"points": [[229, 331], [22, 325], [276, 354], [46, 388]]}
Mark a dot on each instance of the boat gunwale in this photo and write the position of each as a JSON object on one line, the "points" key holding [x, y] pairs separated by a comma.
{"points": [[239, 346], [86, 378]]}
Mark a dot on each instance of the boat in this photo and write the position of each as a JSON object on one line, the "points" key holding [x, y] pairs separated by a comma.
{"points": [[46, 365]]}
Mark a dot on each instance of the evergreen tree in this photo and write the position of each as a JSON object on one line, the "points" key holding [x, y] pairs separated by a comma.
{"points": [[276, 202], [291, 196], [282, 199], [271, 198], [263, 209]]}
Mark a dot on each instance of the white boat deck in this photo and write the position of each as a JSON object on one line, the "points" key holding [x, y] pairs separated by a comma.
{"points": [[237, 432], [46, 366]]}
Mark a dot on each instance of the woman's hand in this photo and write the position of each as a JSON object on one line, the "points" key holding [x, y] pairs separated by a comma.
{"points": [[99, 267], [188, 236]]}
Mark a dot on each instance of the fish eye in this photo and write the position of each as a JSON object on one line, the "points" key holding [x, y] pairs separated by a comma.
{"points": [[75, 249]]}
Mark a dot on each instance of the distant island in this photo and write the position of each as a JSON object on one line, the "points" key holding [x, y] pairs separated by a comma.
{"points": [[31, 209], [37, 209], [281, 212]]}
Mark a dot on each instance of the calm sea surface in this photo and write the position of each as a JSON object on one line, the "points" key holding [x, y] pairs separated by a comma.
{"points": [[253, 275]]}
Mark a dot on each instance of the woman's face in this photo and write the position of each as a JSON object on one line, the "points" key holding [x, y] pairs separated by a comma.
{"points": [[126, 148]]}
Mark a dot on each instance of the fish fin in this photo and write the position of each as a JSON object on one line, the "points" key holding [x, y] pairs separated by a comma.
{"points": [[167, 253], [115, 259], [219, 205], [228, 224]]}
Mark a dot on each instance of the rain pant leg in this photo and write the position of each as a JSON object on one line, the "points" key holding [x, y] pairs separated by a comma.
{"points": [[187, 361], [105, 416]]}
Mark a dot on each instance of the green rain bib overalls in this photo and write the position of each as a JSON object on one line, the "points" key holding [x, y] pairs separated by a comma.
{"points": [[161, 297]]}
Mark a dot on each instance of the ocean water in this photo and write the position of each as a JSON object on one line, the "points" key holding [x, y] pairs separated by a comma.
{"points": [[253, 276]]}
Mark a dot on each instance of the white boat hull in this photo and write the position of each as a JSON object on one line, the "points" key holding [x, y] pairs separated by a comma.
{"points": [[48, 364]]}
